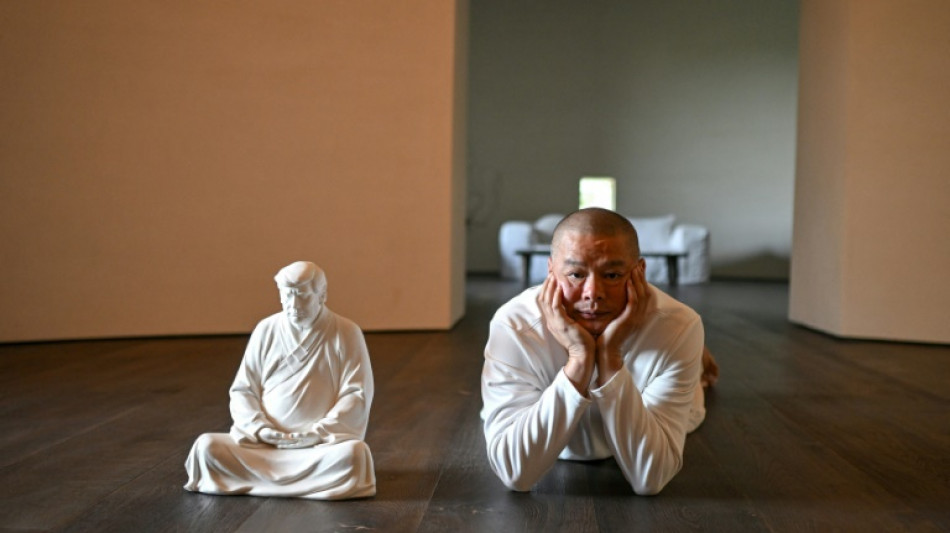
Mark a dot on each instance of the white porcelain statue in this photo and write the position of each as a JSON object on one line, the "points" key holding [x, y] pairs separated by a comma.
{"points": [[300, 405]]}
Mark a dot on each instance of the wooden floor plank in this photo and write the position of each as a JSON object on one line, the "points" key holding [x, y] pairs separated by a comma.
{"points": [[420, 402], [804, 433], [888, 428], [163, 406]]}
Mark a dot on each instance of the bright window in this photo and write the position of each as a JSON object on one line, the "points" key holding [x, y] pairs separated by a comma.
{"points": [[598, 192]]}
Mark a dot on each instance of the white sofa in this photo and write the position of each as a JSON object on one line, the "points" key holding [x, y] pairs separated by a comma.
{"points": [[657, 234]]}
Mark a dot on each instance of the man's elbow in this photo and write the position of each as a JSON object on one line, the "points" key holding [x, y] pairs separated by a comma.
{"points": [[518, 484], [647, 489], [652, 483], [512, 477]]}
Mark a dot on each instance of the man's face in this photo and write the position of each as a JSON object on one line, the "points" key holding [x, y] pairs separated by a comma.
{"points": [[592, 271], [301, 305]]}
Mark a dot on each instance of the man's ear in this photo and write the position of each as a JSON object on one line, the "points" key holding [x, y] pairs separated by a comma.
{"points": [[550, 265]]}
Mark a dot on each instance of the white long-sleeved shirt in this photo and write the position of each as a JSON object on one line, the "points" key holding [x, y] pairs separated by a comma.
{"points": [[533, 415]]}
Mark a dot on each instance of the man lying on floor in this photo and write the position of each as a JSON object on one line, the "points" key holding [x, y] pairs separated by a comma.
{"points": [[593, 363], [300, 404]]}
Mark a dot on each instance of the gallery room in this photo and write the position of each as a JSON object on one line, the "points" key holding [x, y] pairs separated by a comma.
{"points": [[785, 162]]}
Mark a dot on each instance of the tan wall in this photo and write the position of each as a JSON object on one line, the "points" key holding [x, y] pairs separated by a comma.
{"points": [[160, 162], [872, 203]]}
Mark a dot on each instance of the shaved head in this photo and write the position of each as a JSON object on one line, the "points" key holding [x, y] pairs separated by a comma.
{"points": [[599, 222], [594, 256]]}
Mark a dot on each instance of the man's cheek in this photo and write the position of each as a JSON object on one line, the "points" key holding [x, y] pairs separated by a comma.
{"points": [[569, 294]]}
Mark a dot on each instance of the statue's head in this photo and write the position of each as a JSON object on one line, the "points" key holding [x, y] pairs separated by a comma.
{"points": [[303, 292]]}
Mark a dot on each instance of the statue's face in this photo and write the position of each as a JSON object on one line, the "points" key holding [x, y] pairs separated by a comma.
{"points": [[301, 305]]}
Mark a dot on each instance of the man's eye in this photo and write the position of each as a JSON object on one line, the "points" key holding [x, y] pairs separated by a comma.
{"points": [[575, 275], [612, 275]]}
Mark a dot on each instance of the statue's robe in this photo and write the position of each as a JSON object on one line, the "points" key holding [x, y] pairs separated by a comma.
{"points": [[322, 384]]}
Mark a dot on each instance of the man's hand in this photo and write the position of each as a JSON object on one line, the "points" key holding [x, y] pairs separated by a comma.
{"points": [[640, 305], [283, 440], [568, 333], [710, 369]]}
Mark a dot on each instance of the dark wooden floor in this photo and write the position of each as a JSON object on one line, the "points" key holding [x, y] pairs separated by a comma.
{"points": [[804, 433]]}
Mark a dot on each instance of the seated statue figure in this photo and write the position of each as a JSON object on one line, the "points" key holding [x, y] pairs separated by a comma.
{"points": [[300, 404]]}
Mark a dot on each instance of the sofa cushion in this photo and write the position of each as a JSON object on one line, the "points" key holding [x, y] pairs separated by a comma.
{"points": [[655, 233], [544, 228]]}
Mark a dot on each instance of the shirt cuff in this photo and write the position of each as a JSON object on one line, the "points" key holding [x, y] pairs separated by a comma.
{"points": [[613, 385], [567, 390]]}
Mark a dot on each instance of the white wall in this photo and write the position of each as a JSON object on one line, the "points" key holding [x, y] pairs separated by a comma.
{"points": [[691, 105], [161, 161], [872, 197]]}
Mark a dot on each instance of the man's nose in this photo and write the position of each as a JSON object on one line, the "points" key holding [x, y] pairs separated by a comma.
{"points": [[593, 288]]}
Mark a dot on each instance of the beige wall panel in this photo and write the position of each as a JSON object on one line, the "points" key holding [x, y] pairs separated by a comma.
{"points": [[899, 180], [819, 218], [889, 244], [160, 162]]}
